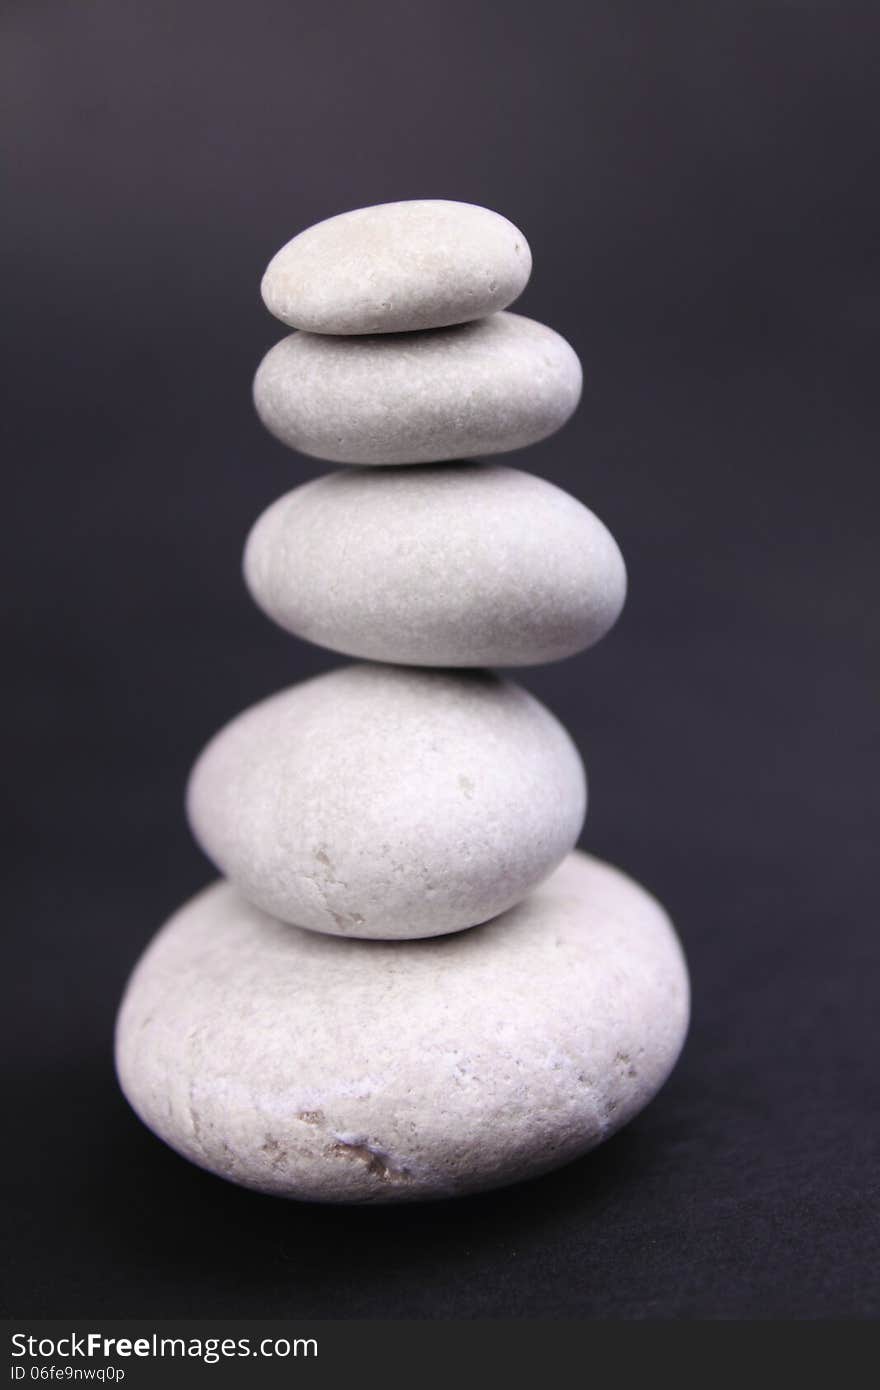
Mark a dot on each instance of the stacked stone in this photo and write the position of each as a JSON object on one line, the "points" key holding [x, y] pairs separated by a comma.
{"points": [[408, 983]]}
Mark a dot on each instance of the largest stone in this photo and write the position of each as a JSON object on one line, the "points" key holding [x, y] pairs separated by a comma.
{"points": [[346, 1071]]}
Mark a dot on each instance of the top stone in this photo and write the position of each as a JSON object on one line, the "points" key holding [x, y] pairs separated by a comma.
{"points": [[397, 268]]}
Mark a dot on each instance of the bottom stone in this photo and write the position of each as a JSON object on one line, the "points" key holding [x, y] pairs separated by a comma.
{"points": [[341, 1070]]}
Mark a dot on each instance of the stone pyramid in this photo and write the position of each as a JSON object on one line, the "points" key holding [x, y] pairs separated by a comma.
{"points": [[408, 983]]}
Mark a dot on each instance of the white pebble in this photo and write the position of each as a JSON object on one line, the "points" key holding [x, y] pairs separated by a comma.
{"points": [[344, 1071], [450, 565], [384, 801], [398, 267], [501, 383]]}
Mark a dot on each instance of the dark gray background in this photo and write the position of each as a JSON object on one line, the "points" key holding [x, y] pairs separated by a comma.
{"points": [[699, 186]]}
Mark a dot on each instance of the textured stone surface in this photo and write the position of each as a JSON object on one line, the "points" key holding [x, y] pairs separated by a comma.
{"points": [[397, 267], [383, 801], [451, 565], [348, 1071], [483, 388]]}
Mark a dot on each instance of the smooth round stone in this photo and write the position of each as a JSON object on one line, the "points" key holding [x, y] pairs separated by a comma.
{"points": [[383, 801], [452, 565], [342, 1071], [482, 388], [398, 267]]}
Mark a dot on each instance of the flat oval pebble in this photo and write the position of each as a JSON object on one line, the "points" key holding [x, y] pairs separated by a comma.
{"points": [[398, 267], [342, 1071], [383, 801], [483, 388], [452, 565]]}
